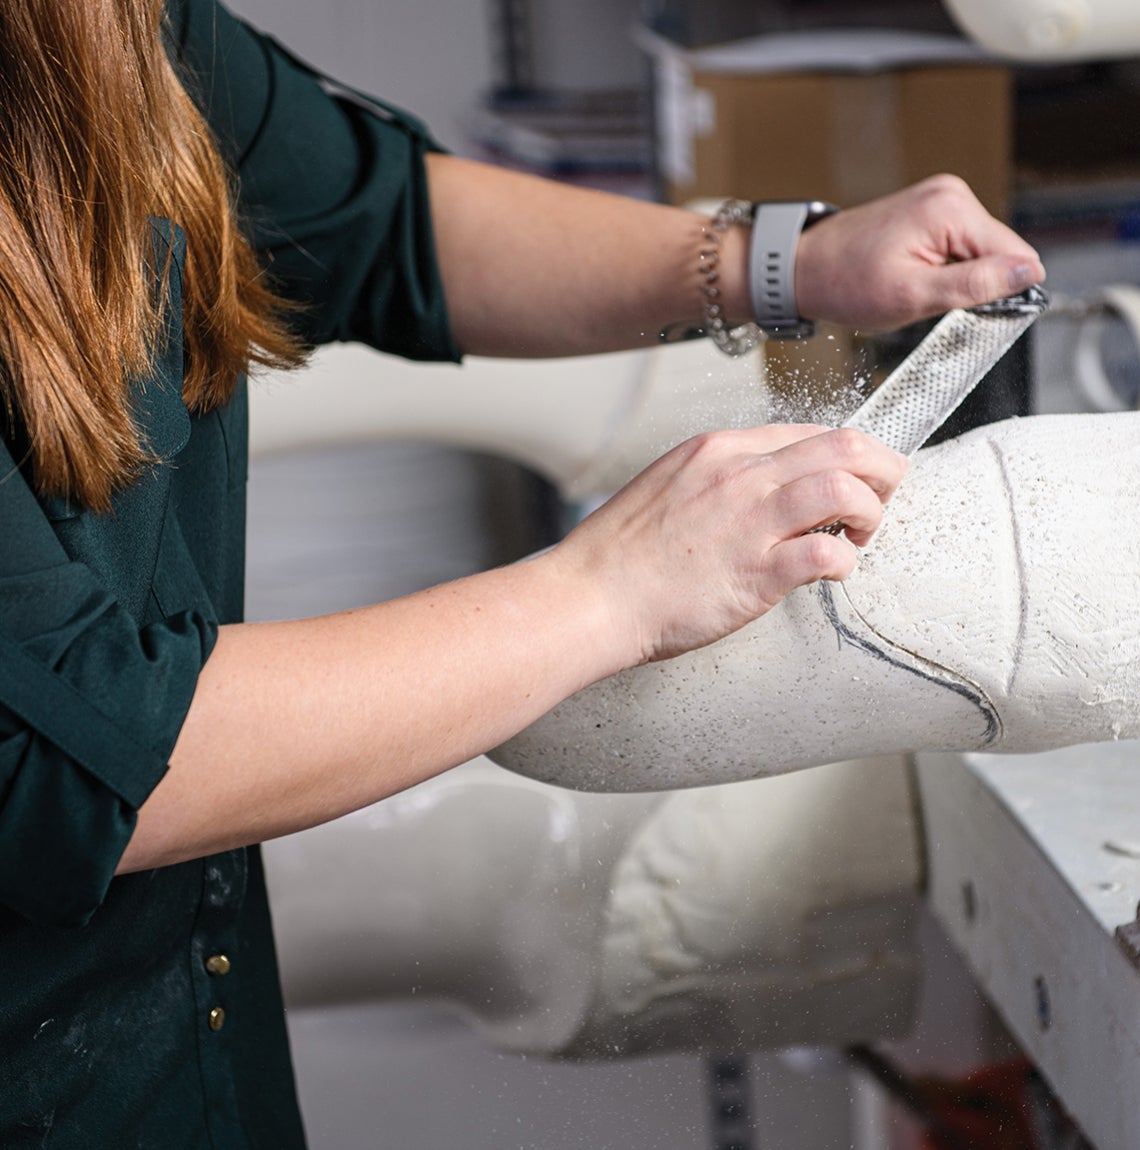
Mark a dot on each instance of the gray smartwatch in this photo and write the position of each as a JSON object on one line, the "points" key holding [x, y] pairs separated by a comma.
{"points": [[776, 228]]}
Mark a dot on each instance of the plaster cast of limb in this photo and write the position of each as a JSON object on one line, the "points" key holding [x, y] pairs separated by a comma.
{"points": [[598, 926], [997, 609]]}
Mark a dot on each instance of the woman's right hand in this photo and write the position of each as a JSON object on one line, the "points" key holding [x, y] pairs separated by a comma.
{"points": [[913, 254], [714, 534]]}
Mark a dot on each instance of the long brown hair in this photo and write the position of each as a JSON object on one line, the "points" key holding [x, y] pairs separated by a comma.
{"points": [[97, 137]]}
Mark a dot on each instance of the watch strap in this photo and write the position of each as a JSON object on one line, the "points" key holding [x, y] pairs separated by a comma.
{"points": [[776, 229]]}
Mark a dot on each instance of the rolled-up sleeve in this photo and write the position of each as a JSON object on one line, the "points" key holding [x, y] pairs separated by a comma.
{"points": [[332, 187], [90, 708]]}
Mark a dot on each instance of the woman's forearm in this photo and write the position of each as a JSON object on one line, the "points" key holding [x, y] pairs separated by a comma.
{"points": [[536, 268], [294, 723]]}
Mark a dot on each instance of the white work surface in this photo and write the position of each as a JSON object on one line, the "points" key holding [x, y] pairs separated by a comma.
{"points": [[1034, 864]]}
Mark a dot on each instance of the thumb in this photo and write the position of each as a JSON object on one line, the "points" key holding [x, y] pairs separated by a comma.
{"points": [[985, 278]]}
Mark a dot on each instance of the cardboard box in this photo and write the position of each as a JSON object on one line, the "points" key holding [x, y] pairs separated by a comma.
{"points": [[839, 116]]}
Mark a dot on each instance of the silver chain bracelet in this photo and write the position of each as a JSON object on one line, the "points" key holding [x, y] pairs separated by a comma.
{"points": [[735, 341]]}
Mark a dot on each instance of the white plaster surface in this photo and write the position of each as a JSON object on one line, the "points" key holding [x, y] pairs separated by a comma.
{"points": [[591, 926], [746, 917], [997, 609]]}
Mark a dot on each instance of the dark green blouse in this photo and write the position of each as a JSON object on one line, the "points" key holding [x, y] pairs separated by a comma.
{"points": [[121, 1023]]}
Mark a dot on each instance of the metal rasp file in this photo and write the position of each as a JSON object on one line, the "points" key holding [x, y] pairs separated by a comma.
{"points": [[955, 355]]}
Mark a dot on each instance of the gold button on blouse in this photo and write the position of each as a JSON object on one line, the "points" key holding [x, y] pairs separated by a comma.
{"points": [[218, 964], [217, 1018]]}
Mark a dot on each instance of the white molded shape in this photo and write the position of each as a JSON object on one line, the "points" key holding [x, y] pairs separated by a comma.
{"points": [[599, 926], [1051, 29], [588, 424], [997, 609]]}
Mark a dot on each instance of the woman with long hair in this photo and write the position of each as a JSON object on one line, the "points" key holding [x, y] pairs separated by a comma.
{"points": [[180, 198]]}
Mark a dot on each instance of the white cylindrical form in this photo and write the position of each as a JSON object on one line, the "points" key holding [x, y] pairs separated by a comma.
{"points": [[1051, 29], [996, 609], [585, 926], [587, 424]]}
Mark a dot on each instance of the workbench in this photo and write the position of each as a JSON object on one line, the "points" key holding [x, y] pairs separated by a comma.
{"points": [[1034, 872]]}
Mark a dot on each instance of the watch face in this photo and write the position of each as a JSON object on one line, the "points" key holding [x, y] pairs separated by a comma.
{"points": [[818, 210]]}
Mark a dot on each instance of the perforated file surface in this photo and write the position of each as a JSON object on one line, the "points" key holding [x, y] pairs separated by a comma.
{"points": [[924, 390]]}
